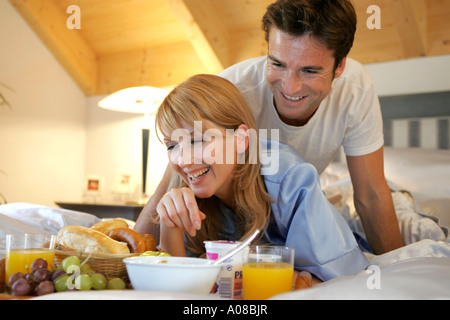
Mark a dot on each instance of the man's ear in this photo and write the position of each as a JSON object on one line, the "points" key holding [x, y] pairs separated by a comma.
{"points": [[242, 138], [340, 68]]}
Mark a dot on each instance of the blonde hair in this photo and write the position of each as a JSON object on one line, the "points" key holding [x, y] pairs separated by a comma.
{"points": [[208, 97]]}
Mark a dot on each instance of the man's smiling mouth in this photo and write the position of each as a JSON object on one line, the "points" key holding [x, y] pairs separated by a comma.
{"points": [[293, 98]]}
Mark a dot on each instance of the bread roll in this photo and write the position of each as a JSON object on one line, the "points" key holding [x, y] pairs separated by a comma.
{"points": [[108, 225], [89, 240], [134, 240]]}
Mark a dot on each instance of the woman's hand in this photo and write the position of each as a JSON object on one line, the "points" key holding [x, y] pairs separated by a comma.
{"points": [[304, 280], [178, 209]]}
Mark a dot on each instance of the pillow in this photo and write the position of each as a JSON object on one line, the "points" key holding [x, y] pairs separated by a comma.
{"points": [[46, 219], [32, 218], [423, 172]]}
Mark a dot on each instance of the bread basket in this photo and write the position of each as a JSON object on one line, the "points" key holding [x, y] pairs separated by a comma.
{"points": [[110, 265]]}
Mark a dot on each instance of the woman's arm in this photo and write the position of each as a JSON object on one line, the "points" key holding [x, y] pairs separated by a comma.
{"points": [[145, 223], [172, 241], [177, 210]]}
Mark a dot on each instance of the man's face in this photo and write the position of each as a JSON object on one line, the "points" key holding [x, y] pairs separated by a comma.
{"points": [[299, 74]]}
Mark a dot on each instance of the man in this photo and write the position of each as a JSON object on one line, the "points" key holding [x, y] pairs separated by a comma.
{"points": [[319, 100]]}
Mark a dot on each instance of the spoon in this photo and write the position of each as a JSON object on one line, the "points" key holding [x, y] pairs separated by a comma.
{"points": [[236, 250]]}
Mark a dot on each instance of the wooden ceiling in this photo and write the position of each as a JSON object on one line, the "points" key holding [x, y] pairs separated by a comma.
{"points": [[124, 43]]}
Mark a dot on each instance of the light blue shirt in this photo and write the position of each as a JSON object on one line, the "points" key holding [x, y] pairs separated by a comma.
{"points": [[302, 218]]}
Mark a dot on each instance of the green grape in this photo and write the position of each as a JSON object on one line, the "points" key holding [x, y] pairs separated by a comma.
{"points": [[70, 261], [155, 253], [150, 253], [83, 282], [116, 284], [99, 281], [61, 283], [85, 269]]}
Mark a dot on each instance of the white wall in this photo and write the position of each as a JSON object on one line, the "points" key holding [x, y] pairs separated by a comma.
{"points": [[418, 75], [114, 146], [42, 137], [53, 137]]}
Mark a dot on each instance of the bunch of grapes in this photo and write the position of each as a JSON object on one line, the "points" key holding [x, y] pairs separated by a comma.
{"points": [[38, 281], [70, 275]]}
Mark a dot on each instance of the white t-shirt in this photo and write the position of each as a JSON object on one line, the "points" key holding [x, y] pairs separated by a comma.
{"points": [[349, 116]]}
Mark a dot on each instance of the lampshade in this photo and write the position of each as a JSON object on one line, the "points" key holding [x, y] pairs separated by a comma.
{"points": [[143, 99]]}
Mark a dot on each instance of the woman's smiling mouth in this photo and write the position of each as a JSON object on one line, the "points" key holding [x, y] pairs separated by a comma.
{"points": [[194, 176]]}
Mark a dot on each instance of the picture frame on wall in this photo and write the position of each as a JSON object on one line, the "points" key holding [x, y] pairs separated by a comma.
{"points": [[124, 183], [93, 188], [124, 187], [94, 184]]}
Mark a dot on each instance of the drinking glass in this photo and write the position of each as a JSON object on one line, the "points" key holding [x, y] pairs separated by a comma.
{"points": [[268, 271], [23, 249]]}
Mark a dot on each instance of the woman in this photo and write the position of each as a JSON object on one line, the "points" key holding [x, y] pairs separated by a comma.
{"points": [[219, 191]]}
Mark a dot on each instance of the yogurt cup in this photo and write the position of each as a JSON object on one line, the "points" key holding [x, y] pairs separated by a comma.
{"points": [[229, 281]]}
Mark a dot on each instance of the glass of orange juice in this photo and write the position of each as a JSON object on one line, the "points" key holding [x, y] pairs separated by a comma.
{"points": [[23, 249], [268, 271]]}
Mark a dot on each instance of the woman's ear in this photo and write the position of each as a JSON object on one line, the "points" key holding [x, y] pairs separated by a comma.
{"points": [[242, 138]]}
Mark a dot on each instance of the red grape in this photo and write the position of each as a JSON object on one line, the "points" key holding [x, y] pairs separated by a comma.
{"points": [[45, 287], [39, 263], [21, 287]]}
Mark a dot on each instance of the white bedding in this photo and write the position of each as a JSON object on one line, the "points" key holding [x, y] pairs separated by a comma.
{"points": [[423, 211], [421, 278], [420, 270], [423, 172]]}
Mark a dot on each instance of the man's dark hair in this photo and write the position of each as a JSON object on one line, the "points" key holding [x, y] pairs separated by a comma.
{"points": [[332, 22]]}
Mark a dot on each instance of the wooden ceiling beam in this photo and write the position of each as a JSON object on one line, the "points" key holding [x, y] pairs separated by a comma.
{"points": [[164, 66], [410, 30], [67, 45], [205, 31]]}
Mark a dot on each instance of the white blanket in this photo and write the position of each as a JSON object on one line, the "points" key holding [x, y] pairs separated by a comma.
{"points": [[418, 270], [422, 279], [414, 224]]}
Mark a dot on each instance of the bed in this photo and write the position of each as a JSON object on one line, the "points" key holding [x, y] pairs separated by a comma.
{"points": [[418, 172], [420, 270]]}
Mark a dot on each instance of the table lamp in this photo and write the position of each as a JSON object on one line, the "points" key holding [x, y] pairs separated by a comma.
{"points": [[145, 100]]}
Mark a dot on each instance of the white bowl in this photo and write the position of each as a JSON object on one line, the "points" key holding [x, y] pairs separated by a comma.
{"points": [[175, 274]]}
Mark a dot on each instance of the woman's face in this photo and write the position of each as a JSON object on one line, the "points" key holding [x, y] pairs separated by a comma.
{"points": [[205, 161]]}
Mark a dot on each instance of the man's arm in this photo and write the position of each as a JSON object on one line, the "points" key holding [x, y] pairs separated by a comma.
{"points": [[145, 222], [373, 202]]}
